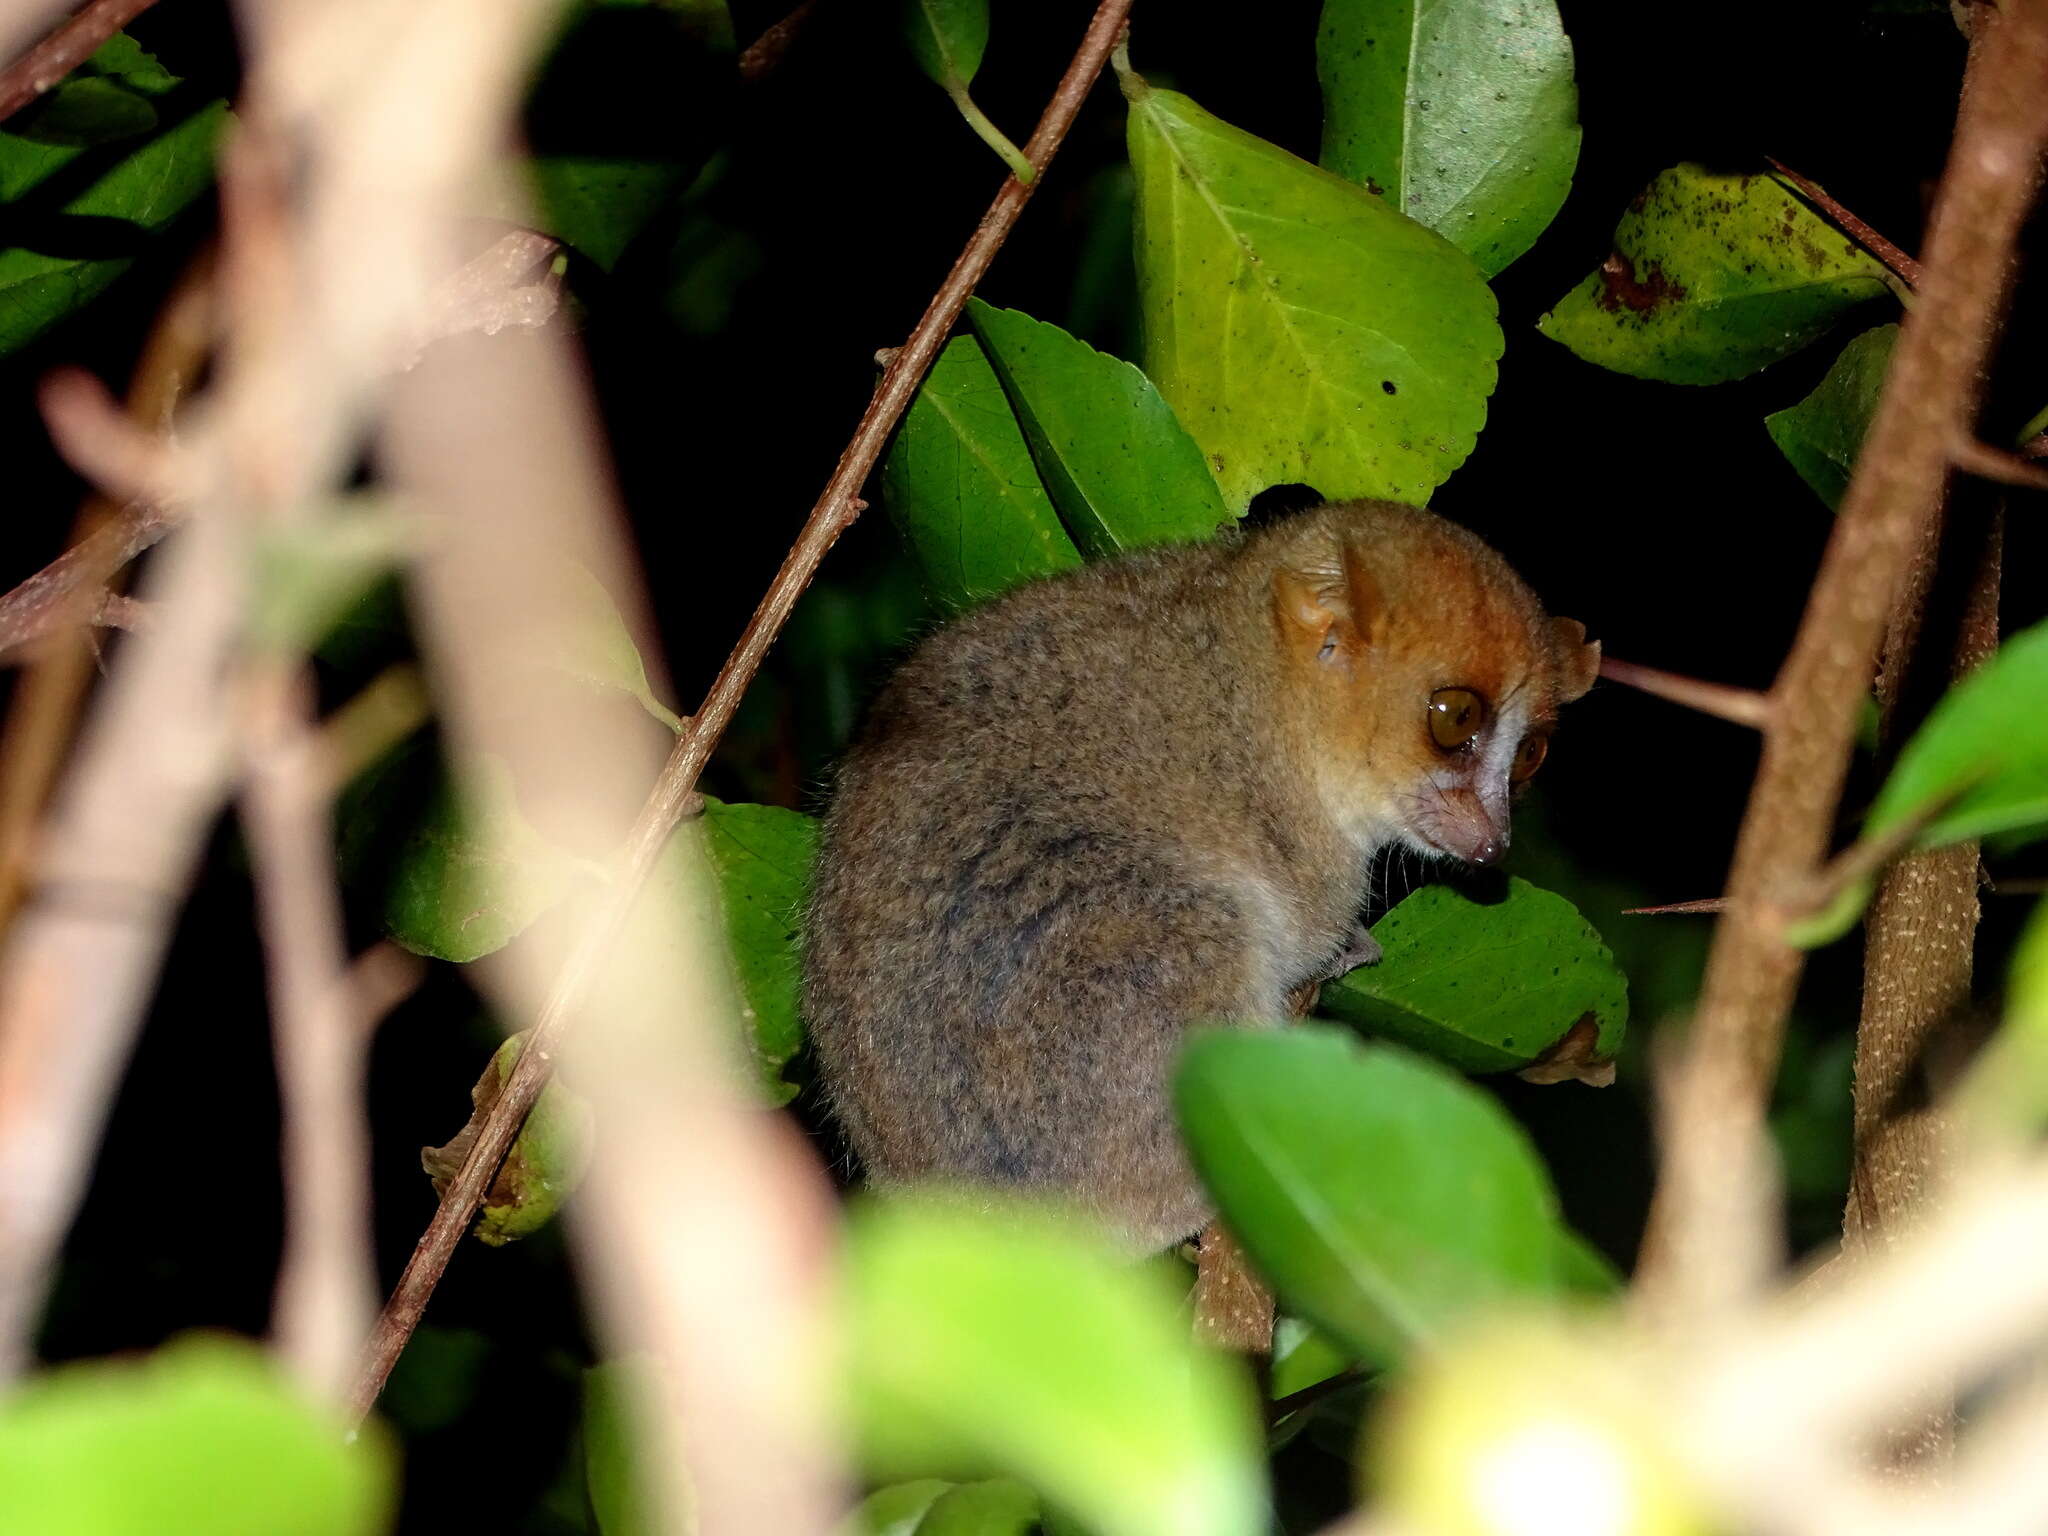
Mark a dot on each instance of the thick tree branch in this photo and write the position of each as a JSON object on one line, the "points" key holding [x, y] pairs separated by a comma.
{"points": [[836, 508], [1929, 401]]}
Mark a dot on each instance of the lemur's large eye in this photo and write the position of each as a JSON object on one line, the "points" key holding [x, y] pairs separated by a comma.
{"points": [[1456, 717], [1528, 758]]}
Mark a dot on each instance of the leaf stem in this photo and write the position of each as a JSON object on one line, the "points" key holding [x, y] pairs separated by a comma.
{"points": [[990, 134]]}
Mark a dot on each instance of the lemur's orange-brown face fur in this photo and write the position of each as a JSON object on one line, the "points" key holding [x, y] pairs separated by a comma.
{"points": [[1436, 679]]}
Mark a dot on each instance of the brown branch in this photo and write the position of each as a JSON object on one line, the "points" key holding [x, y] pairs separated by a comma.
{"points": [[836, 508], [765, 52], [326, 1287], [1902, 266], [1995, 464], [1703, 904], [1233, 1308], [50, 693], [1742, 706], [63, 51], [1930, 397]]}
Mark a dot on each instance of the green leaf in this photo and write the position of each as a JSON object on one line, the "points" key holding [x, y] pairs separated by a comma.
{"points": [[545, 1164], [761, 856], [961, 487], [947, 38], [1987, 743], [1461, 112], [2006, 1090], [614, 1393], [1713, 277], [996, 1508], [595, 647], [1000, 1340], [308, 577], [1821, 435], [1487, 987], [1384, 1196], [42, 279], [627, 108], [200, 1437], [1304, 331], [475, 875], [896, 1509], [1122, 471]]}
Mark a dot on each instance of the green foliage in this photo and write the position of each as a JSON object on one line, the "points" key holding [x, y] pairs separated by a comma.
{"points": [[1486, 987], [595, 647], [108, 158], [1821, 435], [2006, 1091], [999, 1340], [545, 1163], [1120, 468], [201, 1438], [1303, 330], [1462, 113], [1985, 744], [761, 856], [1383, 1196], [962, 488], [1713, 277], [475, 874], [613, 1395], [624, 113], [947, 38]]}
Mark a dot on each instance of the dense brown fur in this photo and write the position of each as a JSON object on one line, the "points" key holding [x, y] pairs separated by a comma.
{"points": [[1135, 797]]}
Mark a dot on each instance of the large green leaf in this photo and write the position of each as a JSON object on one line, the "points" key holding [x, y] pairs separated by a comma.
{"points": [[1986, 744], [1304, 331], [1488, 987], [996, 1340], [761, 856], [200, 1438], [1461, 112], [1384, 1196], [961, 486], [1122, 471], [86, 175], [1821, 435], [1713, 276]]}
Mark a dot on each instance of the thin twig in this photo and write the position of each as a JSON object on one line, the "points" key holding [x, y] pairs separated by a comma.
{"points": [[1742, 706], [52, 690], [63, 51], [1703, 904], [1988, 463], [326, 1287], [1902, 266], [1930, 397], [836, 508], [765, 52]]}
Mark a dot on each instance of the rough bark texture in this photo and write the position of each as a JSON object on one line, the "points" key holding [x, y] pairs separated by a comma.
{"points": [[1929, 404], [1233, 1308], [1919, 943]]}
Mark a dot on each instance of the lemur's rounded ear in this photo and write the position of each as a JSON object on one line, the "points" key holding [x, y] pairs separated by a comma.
{"points": [[1578, 659]]}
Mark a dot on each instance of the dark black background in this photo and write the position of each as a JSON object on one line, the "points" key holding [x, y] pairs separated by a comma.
{"points": [[1660, 515]]}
